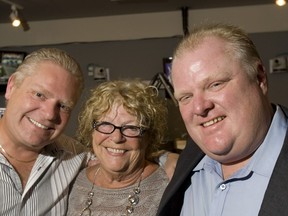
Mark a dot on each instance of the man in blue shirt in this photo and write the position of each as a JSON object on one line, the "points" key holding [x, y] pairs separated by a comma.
{"points": [[237, 163]]}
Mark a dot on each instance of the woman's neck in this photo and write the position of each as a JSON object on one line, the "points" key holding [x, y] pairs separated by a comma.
{"points": [[114, 180]]}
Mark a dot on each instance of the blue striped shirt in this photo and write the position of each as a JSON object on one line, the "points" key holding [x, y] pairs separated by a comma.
{"points": [[47, 189]]}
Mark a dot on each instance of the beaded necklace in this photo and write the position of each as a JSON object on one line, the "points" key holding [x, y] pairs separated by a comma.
{"points": [[133, 198]]}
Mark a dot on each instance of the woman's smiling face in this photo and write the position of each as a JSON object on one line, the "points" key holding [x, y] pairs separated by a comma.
{"points": [[118, 153]]}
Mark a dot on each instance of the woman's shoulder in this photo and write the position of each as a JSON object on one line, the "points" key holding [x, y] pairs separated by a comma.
{"points": [[82, 180], [156, 174], [168, 161]]}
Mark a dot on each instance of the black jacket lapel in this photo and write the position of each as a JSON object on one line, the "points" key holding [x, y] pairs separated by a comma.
{"points": [[172, 200]]}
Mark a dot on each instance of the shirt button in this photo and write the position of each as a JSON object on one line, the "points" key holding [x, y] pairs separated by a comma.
{"points": [[223, 187]]}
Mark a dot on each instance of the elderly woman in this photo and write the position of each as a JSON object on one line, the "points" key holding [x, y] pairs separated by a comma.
{"points": [[124, 121]]}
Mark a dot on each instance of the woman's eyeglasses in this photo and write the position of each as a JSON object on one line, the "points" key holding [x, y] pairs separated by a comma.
{"points": [[125, 130]]}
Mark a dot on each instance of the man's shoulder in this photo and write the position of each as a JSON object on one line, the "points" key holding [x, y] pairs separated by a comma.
{"points": [[284, 109], [69, 144]]}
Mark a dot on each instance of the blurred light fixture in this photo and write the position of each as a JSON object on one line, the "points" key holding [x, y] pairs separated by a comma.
{"points": [[15, 17], [280, 2]]}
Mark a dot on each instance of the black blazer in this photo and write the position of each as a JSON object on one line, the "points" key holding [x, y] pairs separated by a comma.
{"points": [[275, 198]]}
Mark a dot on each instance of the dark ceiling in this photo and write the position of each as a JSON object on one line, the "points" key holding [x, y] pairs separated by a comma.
{"points": [[38, 10]]}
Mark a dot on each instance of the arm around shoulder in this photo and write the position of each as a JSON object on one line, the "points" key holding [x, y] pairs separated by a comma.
{"points": [[168, 161]]}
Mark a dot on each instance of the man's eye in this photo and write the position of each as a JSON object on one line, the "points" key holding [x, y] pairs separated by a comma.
{"points": [[215, 85], [184, 98], [39, 95], [65, 108]]}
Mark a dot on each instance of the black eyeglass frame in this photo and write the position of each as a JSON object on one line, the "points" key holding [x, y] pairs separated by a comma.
{"points": [[96, 124]]}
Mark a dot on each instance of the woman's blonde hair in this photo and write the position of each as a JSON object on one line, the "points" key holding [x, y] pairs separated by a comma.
{"points": [[138, 98]]}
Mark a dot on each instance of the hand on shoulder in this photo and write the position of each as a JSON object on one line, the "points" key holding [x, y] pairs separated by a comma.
{"points": [[168, 161]]}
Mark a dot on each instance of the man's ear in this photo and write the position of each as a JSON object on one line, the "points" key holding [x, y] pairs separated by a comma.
{"points": [[262, 78], [10, 87]]}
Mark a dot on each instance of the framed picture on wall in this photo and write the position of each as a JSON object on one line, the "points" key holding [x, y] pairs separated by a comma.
{"points": [[9, 62]]}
